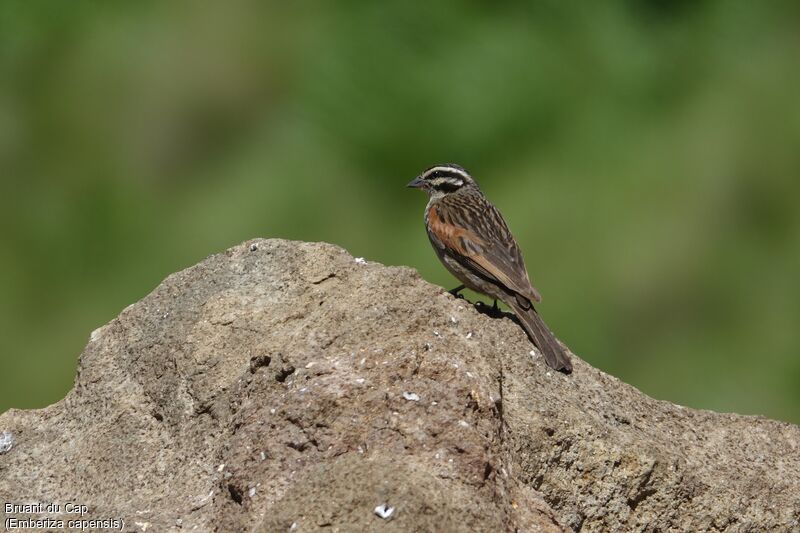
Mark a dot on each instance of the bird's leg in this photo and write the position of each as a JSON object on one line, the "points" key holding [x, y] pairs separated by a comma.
{"points": [[495, 309], [455, 291]]}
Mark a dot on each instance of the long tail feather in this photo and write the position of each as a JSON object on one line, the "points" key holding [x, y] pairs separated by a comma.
{"points": [[554, 354]]}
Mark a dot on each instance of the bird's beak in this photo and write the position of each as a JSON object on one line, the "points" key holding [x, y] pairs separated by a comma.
{"points": [[416, 183]]}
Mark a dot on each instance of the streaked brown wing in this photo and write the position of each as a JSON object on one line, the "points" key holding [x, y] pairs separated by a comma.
{"points": [[474, 232]]}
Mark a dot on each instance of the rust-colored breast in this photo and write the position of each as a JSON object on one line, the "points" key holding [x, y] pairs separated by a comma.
{"points": [[457, 239]]}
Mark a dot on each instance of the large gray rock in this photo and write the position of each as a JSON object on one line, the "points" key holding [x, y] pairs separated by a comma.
{"points": [[285, 384]]}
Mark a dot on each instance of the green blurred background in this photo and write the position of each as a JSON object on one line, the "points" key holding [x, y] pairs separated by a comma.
{"points": [[646, 154]]}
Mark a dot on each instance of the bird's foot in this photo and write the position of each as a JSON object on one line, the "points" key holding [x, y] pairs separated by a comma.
{"points": [[494, 311], [455, 292]]}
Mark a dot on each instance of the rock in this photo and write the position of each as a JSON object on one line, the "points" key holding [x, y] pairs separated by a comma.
{"points": [[267, 388]]}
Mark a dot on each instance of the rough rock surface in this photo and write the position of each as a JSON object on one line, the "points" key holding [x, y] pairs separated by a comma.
{"points": [[284, 384]]}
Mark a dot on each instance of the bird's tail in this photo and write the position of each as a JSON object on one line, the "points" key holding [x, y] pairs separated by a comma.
{"points": [[554, 354]]}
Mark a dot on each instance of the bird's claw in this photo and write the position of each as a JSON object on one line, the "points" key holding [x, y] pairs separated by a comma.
{"points": [[494, 311], [455, 292]]}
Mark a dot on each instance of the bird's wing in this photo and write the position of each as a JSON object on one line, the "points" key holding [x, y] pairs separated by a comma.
{"points": [[475, 234]]}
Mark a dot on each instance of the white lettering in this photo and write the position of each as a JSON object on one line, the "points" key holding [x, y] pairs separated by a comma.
{"points": [[73, 508]]}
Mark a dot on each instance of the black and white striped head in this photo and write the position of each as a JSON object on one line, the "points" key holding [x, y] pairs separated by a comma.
{"points": [[443, 179]]}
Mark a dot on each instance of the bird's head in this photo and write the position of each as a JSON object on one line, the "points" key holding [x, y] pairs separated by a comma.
{"points": [[440, 180]]}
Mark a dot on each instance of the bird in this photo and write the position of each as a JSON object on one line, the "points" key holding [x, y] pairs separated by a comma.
{"points": [[473, 241]]}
